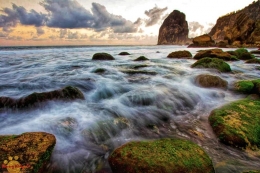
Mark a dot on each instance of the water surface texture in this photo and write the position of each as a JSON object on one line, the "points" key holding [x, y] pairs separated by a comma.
{"points": [[161, 100]]}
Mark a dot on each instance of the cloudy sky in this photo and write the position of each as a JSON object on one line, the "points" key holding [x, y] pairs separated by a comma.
{"points": [[77, 22]]}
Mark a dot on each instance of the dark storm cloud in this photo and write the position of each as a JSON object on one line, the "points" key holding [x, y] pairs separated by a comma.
{"points": [[154, 15], [11, 17], [68, 14]]}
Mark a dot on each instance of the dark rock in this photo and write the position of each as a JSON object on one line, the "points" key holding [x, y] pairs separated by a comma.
{"points": [[30, 151], [238, 124], [100, 70], [34, 99], [255, 52], [163, 155], [124, 53], [180, 54], [214, 63], [209, 81], [102, 56], [253, 61], [222, 44], [243, 54], [174, 29], [132, 72], [215, 53], [141, 58], [203, 41], [157, 51], [239, 28]]}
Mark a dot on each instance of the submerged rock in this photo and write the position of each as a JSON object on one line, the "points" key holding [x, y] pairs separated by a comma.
{"points": [[163, 155], [215, 53], [124, 53], [238, 124], [255, 52], [141, 58], [209, 81], [100, 70], [102, 56], [253, 61], [67, 93], [29, 152], [132, 72], [214, 63], [180, 54]]}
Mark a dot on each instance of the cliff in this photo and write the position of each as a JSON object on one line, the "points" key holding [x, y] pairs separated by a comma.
{"points": [[240, 27], [174, 29]]}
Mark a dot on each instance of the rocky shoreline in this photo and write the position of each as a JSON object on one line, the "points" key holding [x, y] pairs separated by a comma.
{"points": [[235, 124]]}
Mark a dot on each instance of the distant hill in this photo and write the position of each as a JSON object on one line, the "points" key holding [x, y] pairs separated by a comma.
{"points": [[240, 27]]}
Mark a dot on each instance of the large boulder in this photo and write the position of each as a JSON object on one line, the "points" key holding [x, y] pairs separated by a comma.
{"points": [[163, 156], [34, 99], [243, 54], [215, 53], [210, 81], [102, 56], [247, 86], [174, 29], [180, 54], [28, 152], [203, 41], [213, 63], [238, 123]]}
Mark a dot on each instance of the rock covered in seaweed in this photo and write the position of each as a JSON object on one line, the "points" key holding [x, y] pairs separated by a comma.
{"points": [[237, 123], [213, 63], [180, 54], [124, 53], [34, 99], [163, 156], [215, 53], [141, 58], [248, 86], [30, 151]]}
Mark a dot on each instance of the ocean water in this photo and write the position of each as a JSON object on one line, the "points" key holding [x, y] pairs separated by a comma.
{"points": [[119, 107]]}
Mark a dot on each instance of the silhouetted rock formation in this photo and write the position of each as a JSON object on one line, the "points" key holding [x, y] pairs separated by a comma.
{"points": [[239, 28], [174, 29]]}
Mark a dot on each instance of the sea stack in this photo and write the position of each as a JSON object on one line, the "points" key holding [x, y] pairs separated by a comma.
{"points": [[174, 29]]}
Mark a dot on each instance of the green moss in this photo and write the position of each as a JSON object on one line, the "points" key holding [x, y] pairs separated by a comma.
{"points": [[215, 63], [243, 54], [238, 123], [100, 70], [164, 155], [244, 86], [141, 58]]}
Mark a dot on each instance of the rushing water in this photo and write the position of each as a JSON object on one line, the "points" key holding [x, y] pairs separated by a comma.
{"points": [[119, 107]]}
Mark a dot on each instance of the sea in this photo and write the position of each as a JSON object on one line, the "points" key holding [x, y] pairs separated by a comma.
{"points": [[125, 100]]}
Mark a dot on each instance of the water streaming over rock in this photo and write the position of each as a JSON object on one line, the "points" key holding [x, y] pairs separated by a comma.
{"points": [[119, 106]]}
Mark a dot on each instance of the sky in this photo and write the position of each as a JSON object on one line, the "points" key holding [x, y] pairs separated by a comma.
{"points": [[102, 22]]}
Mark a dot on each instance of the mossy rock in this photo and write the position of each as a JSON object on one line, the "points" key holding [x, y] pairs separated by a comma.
{"points": [[214, 63], [34, 99], [215, 53], [124, 53], [243, 54], [232, 52], [100, 70], [160, 156], [248, 86], [252, 171], [210, 81], [31, 151], [238, 123], [253, 61], [102, 56], [141, 58], [180, 54]]}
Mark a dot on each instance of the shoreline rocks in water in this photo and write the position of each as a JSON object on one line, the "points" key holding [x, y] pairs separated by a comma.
{"points": [[211, 81], [180, 54], [238, 124], [202, 41], [124, 53], [67, 93], [141, 58], [213, 63], [163, 155], [215, 53], [102, 56], [248, 86], [30, 151]]}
